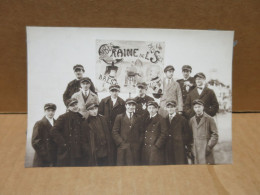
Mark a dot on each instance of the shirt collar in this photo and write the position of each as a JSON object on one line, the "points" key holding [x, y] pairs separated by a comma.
{"points": [[153, 115], [50, 120], [172, 115], [113, 99], [128, 114], [84, 92]]}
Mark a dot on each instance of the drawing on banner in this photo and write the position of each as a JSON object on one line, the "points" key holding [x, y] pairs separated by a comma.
{"points": [[127, 63]]}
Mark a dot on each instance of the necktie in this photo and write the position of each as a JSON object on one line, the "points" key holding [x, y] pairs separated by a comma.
{"points": [[198, 118], [170, 117]]}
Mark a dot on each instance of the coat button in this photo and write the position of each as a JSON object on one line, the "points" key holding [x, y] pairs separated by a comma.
{"points": [[152, 131], [170, 135], [150, 138], [144, 137], [145, 144], [70, 135], [150, 145]]}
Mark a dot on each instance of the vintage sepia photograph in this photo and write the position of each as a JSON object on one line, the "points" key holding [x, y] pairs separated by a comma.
{"points": [[128, 97]]}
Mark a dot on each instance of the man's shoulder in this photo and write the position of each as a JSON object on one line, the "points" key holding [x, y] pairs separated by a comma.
{"points": [[149, 98], [180, 80], [73, 82]]}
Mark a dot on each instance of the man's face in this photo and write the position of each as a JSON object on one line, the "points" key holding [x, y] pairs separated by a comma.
{"points": [[50, 113], [171, 109], [200, 81], [198, 109], [114, 93], [130, 107], [169, 74], [152, 110], [93, 111], [78, 73], [85, 86], [112, 73], [186, 73], [141, 91], [74, 107]]}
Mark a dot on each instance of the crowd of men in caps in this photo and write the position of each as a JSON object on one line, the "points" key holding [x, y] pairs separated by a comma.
{"points": [[137, 131]]}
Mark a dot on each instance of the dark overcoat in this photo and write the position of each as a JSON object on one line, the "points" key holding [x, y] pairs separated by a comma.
{"points": [[128, 138], [184, 89], [109, 111], [209, 98], [141, 105], [73, 87], [89, 140], [179, 140], [66, 133], [155, 137], [45, 148], [204, 134]]}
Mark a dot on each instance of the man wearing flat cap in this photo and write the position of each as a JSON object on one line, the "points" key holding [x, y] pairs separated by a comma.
{"points": [[142, 99], [96, 138], [45, 148], [179, 139], [187, 83], [85, 95], [171, 90], [205, 134], [201, 91], [155, 136], [67, 135], [74, 86], [127, 134]]}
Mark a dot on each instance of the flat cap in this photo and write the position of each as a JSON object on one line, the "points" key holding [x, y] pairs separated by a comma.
{"points": [[171, 103], [85, 79], [200, 75], [169, 67], [114, 87], [71, 101], [91, 105], [142, 85], [198, 101], [186, 67], [78, 66], [130, 101], [153, 103], [50, 106]]}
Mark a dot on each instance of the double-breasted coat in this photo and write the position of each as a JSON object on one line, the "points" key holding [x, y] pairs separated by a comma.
{"points": [[128, 136], [66, 133], [171, 91], [74, 87], [155, 136], [179, 140], [92, 97], [109, 111], [204, 134], [209, 98], [186, 89], [141, 105], [45, 148]]}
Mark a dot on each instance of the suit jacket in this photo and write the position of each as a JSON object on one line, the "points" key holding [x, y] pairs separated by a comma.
{"points": [[155, 136], [186, 90], [179, 138], [73, 87], [109, 111], [139, 105], [204, 134], [92, 97], [66, 133], [45, 148], [170, 92], [209, 98], [128, 138]]}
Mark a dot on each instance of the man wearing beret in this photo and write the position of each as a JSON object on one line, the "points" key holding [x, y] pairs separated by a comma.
{"points": [[205, 134], [97, 139], [201, 91], [141, 100], [187, 83], [110, 107], [84, 96], [45, 148], [74, 86], [67, 135], [127, 134], [179, 137], [155, 136], [171, 91]]}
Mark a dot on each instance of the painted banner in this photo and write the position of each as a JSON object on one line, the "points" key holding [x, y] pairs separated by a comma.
{"points": [[127, 63]]}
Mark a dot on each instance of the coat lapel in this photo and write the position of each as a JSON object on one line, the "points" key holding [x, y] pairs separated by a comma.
{"points": [[46, 122], [202, 121], [203, 93]]}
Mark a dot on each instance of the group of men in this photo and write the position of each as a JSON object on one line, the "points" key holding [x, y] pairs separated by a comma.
{"points": [[137, 131]]}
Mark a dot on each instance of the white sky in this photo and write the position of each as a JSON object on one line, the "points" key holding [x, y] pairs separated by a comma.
{"points": [[53, 51]]}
